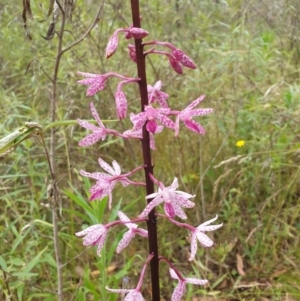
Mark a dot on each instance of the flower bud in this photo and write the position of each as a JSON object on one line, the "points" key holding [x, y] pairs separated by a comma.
{"points": [[121, 104], [183, 59], [112, 45], [138, 33], [175, 65]]}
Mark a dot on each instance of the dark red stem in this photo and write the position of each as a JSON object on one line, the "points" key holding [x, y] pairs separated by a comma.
{"points": [[151, 224]]}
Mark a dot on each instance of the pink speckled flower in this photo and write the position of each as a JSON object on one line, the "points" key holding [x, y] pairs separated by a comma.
{"points": [[199, 233], [107, 181], [130, 234], [96, 82], [98, 132], [154, 94], [94, 235], [150, 115], [173, 200], [188, 113], [181, 286]]}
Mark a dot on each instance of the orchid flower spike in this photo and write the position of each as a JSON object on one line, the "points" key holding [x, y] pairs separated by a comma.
{"points": [[94, 235], [181, 286], [173, 200], [130, 234], [188, 113], [199, 233]]}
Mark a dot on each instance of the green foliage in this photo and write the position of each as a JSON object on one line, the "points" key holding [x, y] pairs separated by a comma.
{"points": [[248, 66]]}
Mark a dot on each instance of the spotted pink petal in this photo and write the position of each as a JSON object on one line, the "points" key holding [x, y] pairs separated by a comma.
{"points": [[169, 209], [121, 104], [138, 120], [155, 202], [124, 242], [151, 126], [165, 121], [178, 291], [87, 125], [112, 45], [204, 240], [183, 59], [194, 126], [88, 230], [161, 98], [200, 112], [193, 246], [106, 167], [96, 115], [86, 74], [196, 281], [96, 87], [178, 211], [91, 139]]}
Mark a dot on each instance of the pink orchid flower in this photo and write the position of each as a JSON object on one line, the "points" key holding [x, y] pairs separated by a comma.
{"points": [[130, 234], [181, 286], [173, 200], [188, 113], [154, 94], [96, 82], [150, 115], [107, 181], [94, 235], [98, 132], [199, 233]]}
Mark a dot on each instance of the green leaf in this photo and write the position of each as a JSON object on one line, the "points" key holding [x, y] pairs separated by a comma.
{"points": [[9, 143]]}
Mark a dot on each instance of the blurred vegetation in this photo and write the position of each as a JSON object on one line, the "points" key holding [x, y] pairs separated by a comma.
{"points": [[248, 55]]}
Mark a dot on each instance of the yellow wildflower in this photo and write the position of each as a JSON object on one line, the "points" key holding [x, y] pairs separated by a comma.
{"points": [[240, 143]]}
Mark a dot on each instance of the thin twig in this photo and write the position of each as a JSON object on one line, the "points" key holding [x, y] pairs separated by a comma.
{"points": [[96, 20], [54, 195]]}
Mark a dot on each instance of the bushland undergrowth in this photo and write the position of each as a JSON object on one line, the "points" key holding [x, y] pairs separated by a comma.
{"points": [[247, 54]]}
